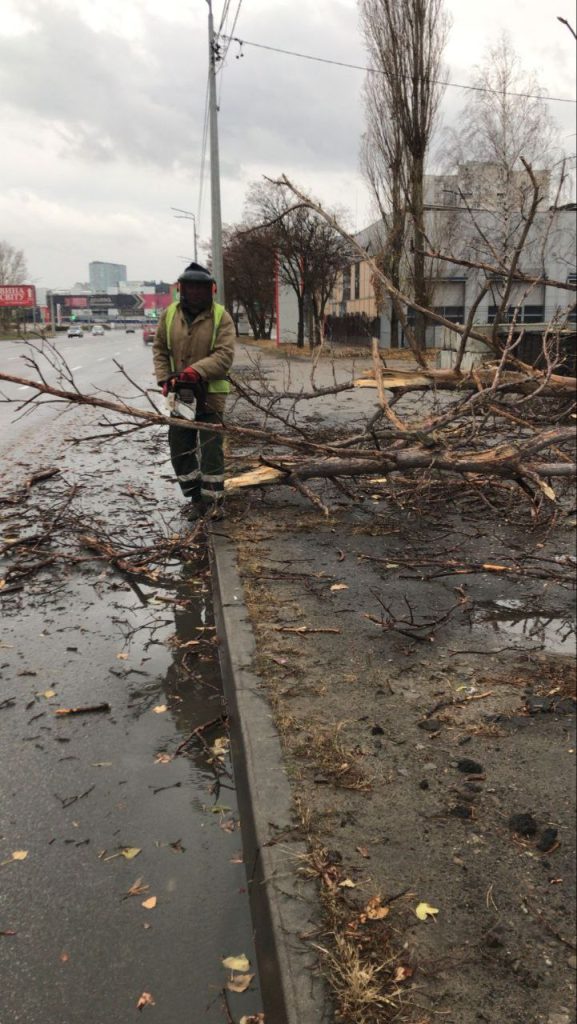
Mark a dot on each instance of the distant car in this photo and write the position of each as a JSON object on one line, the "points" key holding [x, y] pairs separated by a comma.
{"points": [[130, 330], [98, 330], [75, 332], [149, 334]]}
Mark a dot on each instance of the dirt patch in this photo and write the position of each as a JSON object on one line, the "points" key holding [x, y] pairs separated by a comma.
{"points": [[447, 735]]}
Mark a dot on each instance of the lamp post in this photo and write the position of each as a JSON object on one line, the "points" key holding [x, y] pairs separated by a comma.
{"points": [[188, 215]]}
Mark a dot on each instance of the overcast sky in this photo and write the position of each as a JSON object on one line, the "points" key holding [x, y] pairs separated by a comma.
{"points": [[102, 110]]}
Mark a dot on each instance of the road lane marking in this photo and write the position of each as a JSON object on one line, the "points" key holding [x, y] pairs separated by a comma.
{"points": [[101, 360]]}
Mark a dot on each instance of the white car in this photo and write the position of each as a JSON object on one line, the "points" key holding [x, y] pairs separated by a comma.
{"points": [[75, 332], [98, 330]]}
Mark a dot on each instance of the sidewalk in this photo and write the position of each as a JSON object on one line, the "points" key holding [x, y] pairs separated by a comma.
{"points": [[427, 723]]}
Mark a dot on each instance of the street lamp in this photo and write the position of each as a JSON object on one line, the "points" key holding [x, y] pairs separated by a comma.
{"points": [[187, 215]]}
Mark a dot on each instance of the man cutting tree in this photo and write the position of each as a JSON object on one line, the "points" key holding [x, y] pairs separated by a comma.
{"points": [[193, 352]]}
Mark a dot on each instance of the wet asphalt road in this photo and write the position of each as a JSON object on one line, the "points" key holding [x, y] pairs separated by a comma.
{"points": [[76, 791]]}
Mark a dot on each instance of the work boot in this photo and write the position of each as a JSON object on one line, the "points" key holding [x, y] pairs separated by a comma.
{"points": [[193, 510]]}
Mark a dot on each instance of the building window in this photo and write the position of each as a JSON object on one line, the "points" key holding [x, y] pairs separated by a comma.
{"points": [[357, 285], [456, 314], [347, 284], [525, 315]]}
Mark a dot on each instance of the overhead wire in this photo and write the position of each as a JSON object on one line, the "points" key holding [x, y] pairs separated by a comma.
{"points": [[377, 71]]}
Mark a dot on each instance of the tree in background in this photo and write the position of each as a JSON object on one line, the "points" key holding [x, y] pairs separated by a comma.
{"points": [[310, 252], [405, 40], [249, 277], [13, 269], [504, 129]]}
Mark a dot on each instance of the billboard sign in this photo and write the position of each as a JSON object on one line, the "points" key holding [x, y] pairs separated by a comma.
{"points": [[17, 295]]}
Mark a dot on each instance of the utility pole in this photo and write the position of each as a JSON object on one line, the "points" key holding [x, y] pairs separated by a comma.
{"points": [[217, 260]]}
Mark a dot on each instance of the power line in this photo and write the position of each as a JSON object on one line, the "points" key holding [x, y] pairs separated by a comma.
{"points": [[375, 71]]}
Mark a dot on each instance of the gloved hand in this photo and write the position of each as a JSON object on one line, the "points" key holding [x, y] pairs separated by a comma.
{"points": [[168, 385], [189, 376]]}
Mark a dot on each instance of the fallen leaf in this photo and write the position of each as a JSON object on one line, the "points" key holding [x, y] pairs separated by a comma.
{"points": [[145, 1000], [347, 884], [363, 852], [101, 764], [7, 932], [339, 586], [20, 855], [239, 982], [237, 859], [64, 958], [257, 1018], [402, 974], [237, 963], [163, 759], [49, 694], [160, 709], [138, 888], [122, 656], [220, 748], [424, 911], [150, 903], [375, 911], [130, 852]]}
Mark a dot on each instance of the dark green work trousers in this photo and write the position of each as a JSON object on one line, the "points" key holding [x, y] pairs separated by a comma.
{"points": [[198, 460]]}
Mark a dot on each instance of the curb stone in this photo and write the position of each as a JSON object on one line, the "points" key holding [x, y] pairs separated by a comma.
{"points": [[284, 906]]}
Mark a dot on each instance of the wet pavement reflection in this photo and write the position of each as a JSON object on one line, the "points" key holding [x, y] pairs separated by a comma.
{"points": [[81, 793]]}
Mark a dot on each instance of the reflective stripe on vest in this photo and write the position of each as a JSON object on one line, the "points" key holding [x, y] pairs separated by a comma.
{"points": [[214, 387]]}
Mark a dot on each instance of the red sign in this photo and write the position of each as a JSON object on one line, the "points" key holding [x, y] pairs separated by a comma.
{"points": [[17, 295], [76, 301]]}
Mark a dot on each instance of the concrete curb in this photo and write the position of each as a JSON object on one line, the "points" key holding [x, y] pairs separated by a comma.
{"points": [[284, 906]]}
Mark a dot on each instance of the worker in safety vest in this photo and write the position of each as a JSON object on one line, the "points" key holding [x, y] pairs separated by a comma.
{"points": [[193, 352]]}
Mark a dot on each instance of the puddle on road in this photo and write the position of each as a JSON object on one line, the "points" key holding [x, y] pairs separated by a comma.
{"points": [[516, 622], [74, 787]]}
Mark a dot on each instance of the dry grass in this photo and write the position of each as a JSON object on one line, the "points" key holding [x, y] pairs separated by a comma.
{"points": [[325, 750]]}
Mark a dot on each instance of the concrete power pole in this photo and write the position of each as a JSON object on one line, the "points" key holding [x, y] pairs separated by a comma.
{"points": [[217, 261]]}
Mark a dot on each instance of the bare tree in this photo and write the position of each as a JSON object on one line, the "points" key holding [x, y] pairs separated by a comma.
{"points": [[249, 277], [504, 122], [405, 39], [311, 253], [13, 269]]}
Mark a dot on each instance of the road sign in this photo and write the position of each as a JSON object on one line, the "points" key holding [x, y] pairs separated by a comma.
{"points": [[17, 295]]}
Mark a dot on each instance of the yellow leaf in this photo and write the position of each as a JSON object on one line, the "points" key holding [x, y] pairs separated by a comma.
{"points": [[347, 884], [237, 963], [257, 1018], [150, 903], [239, 982], [402, 973], [122, 656], [162, 759], [339, 586], [20, 855], [130, 852], [424, 911], [48, 694], [160, 709]]}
